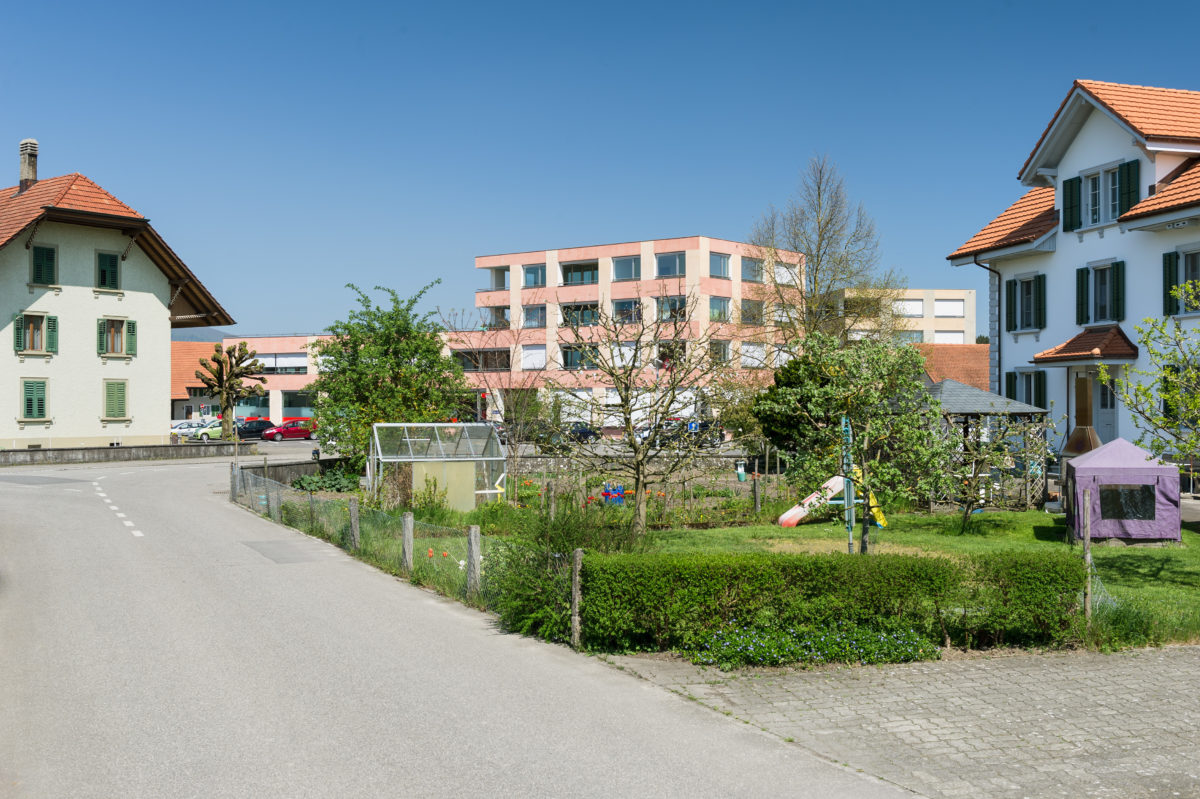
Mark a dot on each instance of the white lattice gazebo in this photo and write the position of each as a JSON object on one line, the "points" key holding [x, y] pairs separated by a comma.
{"points": [[466, 460]]}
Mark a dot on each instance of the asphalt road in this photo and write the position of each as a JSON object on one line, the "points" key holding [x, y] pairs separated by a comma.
{"points": [[156, 641]]}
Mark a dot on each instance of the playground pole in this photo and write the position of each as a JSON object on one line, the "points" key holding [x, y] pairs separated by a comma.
{"points": [[848, 482]]}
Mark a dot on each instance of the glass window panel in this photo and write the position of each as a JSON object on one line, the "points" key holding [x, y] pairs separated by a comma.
{"points": [[580, 274], [955, 308], [669, 264], [535, 275], [1127, 502], [627, 312], [534, 315], [753, 355], [533, 356], [628, 268], [718, 309], [752, 269], [752, 312], [718, 264]]}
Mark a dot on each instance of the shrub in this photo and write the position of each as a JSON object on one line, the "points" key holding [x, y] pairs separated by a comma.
{"points": [[332, 480], [733, 646], [1023, 597]]}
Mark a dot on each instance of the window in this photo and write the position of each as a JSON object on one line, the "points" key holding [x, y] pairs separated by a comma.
{"points": [[496, 318], [107, 268], [45, 266], [580, 314], [116, 337], [718, 351], [33, 399], [752, 270], [784, 314], [499, 279], [627, 312], [1108, 398], [114, 400], [718, 309], [584, 274], [1127, 502], [949, 337], [718, 265], [785, 273], [1025, 303], [672, 309], [1103, 304], [783, 355], [284, 363], [754, 355], [912, 308], [534, 315], [579, 357], [533, 356], [1191, 271], [752, 312], [950, 308], [669, 264], [628, 268], [1100, 196], [484, 360], [35, 333], [1100, 293], [670, 353], [625, 353], [1091, 199], [297, 403], [535, 275], [1028, 387], [910, 336]]}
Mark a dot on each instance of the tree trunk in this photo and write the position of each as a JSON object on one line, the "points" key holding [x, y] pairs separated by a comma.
{"points": [[639, 508]]}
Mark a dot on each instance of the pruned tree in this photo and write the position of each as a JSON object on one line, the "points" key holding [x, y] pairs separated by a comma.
{"points": [[654, 359], [228, 375], [838, 287], [383, 363], [1165, 398], [897, 441]]}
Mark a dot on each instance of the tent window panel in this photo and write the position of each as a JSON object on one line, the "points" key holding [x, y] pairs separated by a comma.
{"points": [[1127, 502]]}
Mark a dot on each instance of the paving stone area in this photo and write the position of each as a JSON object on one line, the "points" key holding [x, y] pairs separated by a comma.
{"points": [[1067, 724]]}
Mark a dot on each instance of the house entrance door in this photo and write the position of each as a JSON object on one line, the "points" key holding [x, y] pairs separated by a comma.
{"points": [[1106, 412]]}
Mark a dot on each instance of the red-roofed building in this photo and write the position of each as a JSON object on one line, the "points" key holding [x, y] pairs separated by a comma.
{"points": [[1108, 225], [965, 363], [89, 293]]}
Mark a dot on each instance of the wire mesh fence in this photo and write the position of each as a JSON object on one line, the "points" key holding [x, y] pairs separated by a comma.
{"points": [[440, 555]]}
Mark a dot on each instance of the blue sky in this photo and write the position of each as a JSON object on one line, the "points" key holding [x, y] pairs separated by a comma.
{"points": [[284, 150]]}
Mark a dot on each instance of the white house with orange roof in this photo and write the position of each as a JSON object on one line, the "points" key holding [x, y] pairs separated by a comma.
{"points": [[1110, 222], [89, 293]]}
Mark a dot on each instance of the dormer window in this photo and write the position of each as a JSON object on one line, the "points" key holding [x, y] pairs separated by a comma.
{"points": [[1099, 196]]}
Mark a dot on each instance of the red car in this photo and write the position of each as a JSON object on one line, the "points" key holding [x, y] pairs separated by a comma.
{"points": [[297, 428]]}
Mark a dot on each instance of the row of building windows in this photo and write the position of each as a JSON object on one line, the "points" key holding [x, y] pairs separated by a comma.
{"points": [[753, 355], [35, 406], [670, 264], [37, 334], [669, 309], [43, 268]]}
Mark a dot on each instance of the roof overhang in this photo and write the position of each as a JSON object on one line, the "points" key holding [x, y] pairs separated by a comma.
{"points": [[1084, 361], [1167, 220], [1063, 128], [1045, 243]]}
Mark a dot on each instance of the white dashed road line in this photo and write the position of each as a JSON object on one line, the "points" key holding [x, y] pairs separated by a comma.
{"points": [[108, 502]]}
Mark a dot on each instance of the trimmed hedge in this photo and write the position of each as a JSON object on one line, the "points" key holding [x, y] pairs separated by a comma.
{"points": [[666, 601]]}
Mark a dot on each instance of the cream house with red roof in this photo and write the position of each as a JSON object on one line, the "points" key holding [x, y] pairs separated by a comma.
{"points": [[89, 293], [1109, 223]]}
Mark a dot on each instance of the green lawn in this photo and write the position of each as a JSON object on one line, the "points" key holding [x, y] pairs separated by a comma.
{"points": [[1157, 590]]}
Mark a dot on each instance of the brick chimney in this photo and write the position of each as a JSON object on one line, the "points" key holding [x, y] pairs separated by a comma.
{"points": [[29, 148]]}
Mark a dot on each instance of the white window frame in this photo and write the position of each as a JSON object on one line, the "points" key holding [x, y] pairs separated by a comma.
{"points": [[1103, 268], [1022, 306], [903, 307], [723, 259], [1103, 207], [637, 268], [939, 313]]}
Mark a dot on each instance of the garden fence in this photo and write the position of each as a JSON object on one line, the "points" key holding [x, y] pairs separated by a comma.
{"points": [[440, 556]]}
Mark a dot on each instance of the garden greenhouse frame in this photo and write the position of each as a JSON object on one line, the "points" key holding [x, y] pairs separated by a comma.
{"points": [[440, 442]]}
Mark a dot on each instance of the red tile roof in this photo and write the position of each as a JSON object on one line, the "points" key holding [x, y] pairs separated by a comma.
{"points": [[71, 192], [1101, 343], [1153, 112], [1026, 220], [1182, 191], [185, 360], [966, 363]]}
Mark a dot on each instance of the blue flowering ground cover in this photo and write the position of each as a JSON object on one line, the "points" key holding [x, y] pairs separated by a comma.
{"points": [[736, 646]]}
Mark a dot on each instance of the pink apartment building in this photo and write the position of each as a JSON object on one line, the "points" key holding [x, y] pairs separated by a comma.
{"points": [[289, 366], [521, 341]]}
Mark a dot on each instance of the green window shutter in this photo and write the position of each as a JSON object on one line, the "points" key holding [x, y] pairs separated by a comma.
{"points": [[1039, 389], [1170, 280], [114, 400], [1039, 301], [130, 337], [1118, 290], [52, 334], [1082, 276], [1010, 385], [1072, 219], [30, 401], [35, 399], [121, 409], [1129, 176], [1010, 305], [100, 331], [18, 332], [43, 265], [106, 277]]}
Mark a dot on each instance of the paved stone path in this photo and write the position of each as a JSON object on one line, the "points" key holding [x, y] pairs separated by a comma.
{"points": [[1027, 725]]}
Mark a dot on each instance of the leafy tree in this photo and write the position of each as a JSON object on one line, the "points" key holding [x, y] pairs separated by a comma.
{"points": [[982, 339], [226, 375], [1165, 399], [898, 440], [384, 363]]}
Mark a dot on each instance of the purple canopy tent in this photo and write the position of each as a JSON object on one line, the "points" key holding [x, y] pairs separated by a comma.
{"points": [[1134, 496]]}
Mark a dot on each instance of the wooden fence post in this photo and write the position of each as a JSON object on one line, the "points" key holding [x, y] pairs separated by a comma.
{"points": [[233, 478], [474, 560], [553, 498], [406, 546], [1087, 555], [354, 531], [576, 598]]}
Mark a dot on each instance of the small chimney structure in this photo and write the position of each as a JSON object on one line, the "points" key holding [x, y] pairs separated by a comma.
{"points": [[29, 150]]}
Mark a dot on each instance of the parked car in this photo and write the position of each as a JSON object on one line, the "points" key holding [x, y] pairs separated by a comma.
{"points": [[582, 433], [186, 427], [297, 428], [675, 431], [253, 428], [209, 430]]}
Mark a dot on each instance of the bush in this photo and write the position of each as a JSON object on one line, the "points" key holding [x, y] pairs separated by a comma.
{"points": [[734, 646], [332, 480], [670, 601]]}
